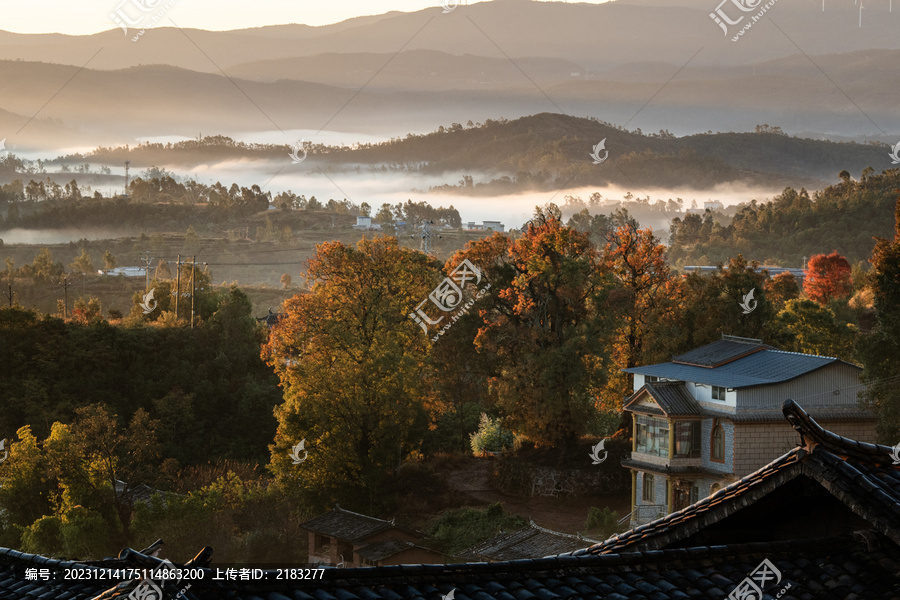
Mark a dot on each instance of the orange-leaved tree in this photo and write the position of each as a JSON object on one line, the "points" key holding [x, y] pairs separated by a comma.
{"points": [[545, 330], [827, 278]]}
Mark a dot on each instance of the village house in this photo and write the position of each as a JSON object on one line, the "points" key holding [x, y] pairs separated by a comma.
{"points": [[344, 538], [711, 416]]}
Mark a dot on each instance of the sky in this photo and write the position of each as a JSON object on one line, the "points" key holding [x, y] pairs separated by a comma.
{"points": [[79, 17]]}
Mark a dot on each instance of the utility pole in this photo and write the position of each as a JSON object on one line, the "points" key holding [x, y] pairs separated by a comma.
{"points": [[127, 162], [193, 262], [426, 237], [177, 285], [147, 262], [65, 285], [10, 294]]}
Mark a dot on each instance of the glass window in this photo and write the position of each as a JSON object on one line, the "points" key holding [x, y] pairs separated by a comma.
{"points": [[718, 443], [687, 439], [650, 378], [718, 393], [649, 492], [714, 488], [652, 436]]}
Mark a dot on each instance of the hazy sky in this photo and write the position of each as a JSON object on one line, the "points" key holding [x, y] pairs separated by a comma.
{"points": [[91, 16]]}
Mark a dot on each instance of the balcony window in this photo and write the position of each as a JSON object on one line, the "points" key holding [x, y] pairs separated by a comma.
{"points": [[687, 439], [652, 436]]}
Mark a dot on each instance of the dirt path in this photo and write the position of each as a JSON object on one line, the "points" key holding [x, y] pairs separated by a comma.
{"points": [[471, 480]]}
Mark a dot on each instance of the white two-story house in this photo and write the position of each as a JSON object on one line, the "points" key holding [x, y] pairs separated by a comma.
{"points": [[713, 415]]}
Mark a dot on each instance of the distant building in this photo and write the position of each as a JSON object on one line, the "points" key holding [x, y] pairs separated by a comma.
{"points": [[125, 271], [492, 226], [365, 223], [713, 205], [799, 274]]}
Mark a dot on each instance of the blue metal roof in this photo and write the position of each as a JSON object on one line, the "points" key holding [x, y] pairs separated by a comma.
{"points": [[760, 368]]}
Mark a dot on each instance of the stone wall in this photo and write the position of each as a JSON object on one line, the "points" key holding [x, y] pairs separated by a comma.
{"points": [[524, 479]]}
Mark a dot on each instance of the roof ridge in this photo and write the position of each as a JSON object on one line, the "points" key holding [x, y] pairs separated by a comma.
{"points": [[810, 430]]}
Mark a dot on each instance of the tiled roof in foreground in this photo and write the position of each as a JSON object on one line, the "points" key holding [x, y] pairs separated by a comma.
{"points": [[840, 568], [704, 551]]}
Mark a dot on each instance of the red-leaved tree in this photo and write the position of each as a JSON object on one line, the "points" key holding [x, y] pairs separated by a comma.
{"points": [[827, 278]]}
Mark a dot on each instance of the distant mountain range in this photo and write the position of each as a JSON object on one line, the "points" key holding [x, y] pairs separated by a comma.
{"points": [[654, 64]]}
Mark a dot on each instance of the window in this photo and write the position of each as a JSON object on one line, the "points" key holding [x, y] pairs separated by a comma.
{"points": [[650, 378], [687, 439], [649, 492], [718, 442], [695, 494], [718, 393], [652, 436], [714, 488]]}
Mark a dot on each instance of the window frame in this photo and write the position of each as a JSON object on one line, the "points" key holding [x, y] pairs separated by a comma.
{"points": [[648, 482], [717, 427], [648, 430], [694, 437], [718, 388]]}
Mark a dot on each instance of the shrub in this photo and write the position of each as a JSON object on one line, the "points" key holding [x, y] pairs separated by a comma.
{"points": [[491, 437]]}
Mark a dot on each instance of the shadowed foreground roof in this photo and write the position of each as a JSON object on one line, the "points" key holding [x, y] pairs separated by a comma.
{"points": [[686, 555]]}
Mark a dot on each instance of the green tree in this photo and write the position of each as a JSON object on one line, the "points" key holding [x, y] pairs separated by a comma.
{"points": [[805, 326], [880, 348], [83, 264]]}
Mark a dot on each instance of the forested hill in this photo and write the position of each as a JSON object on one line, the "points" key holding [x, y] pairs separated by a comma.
{"points": [[843, 217], [560, 146]]}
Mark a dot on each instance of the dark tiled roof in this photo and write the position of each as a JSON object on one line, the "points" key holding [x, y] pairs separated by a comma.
{"points": [[346, 525], [699, 552], [384, 549], [857, 474], [764, 367], [671, 396], [840, 568], [720, 352], [530, 542]]}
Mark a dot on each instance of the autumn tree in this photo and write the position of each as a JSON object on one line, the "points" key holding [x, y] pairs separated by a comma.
{"points": [[781, 288], [644, 296], [547, 332], [827, 278], [83, 263], [880, 348], [109, 261], [353, 366], [286, 281]]}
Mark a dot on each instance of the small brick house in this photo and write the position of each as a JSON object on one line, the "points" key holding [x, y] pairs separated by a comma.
{"points": [[712, 416]]}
